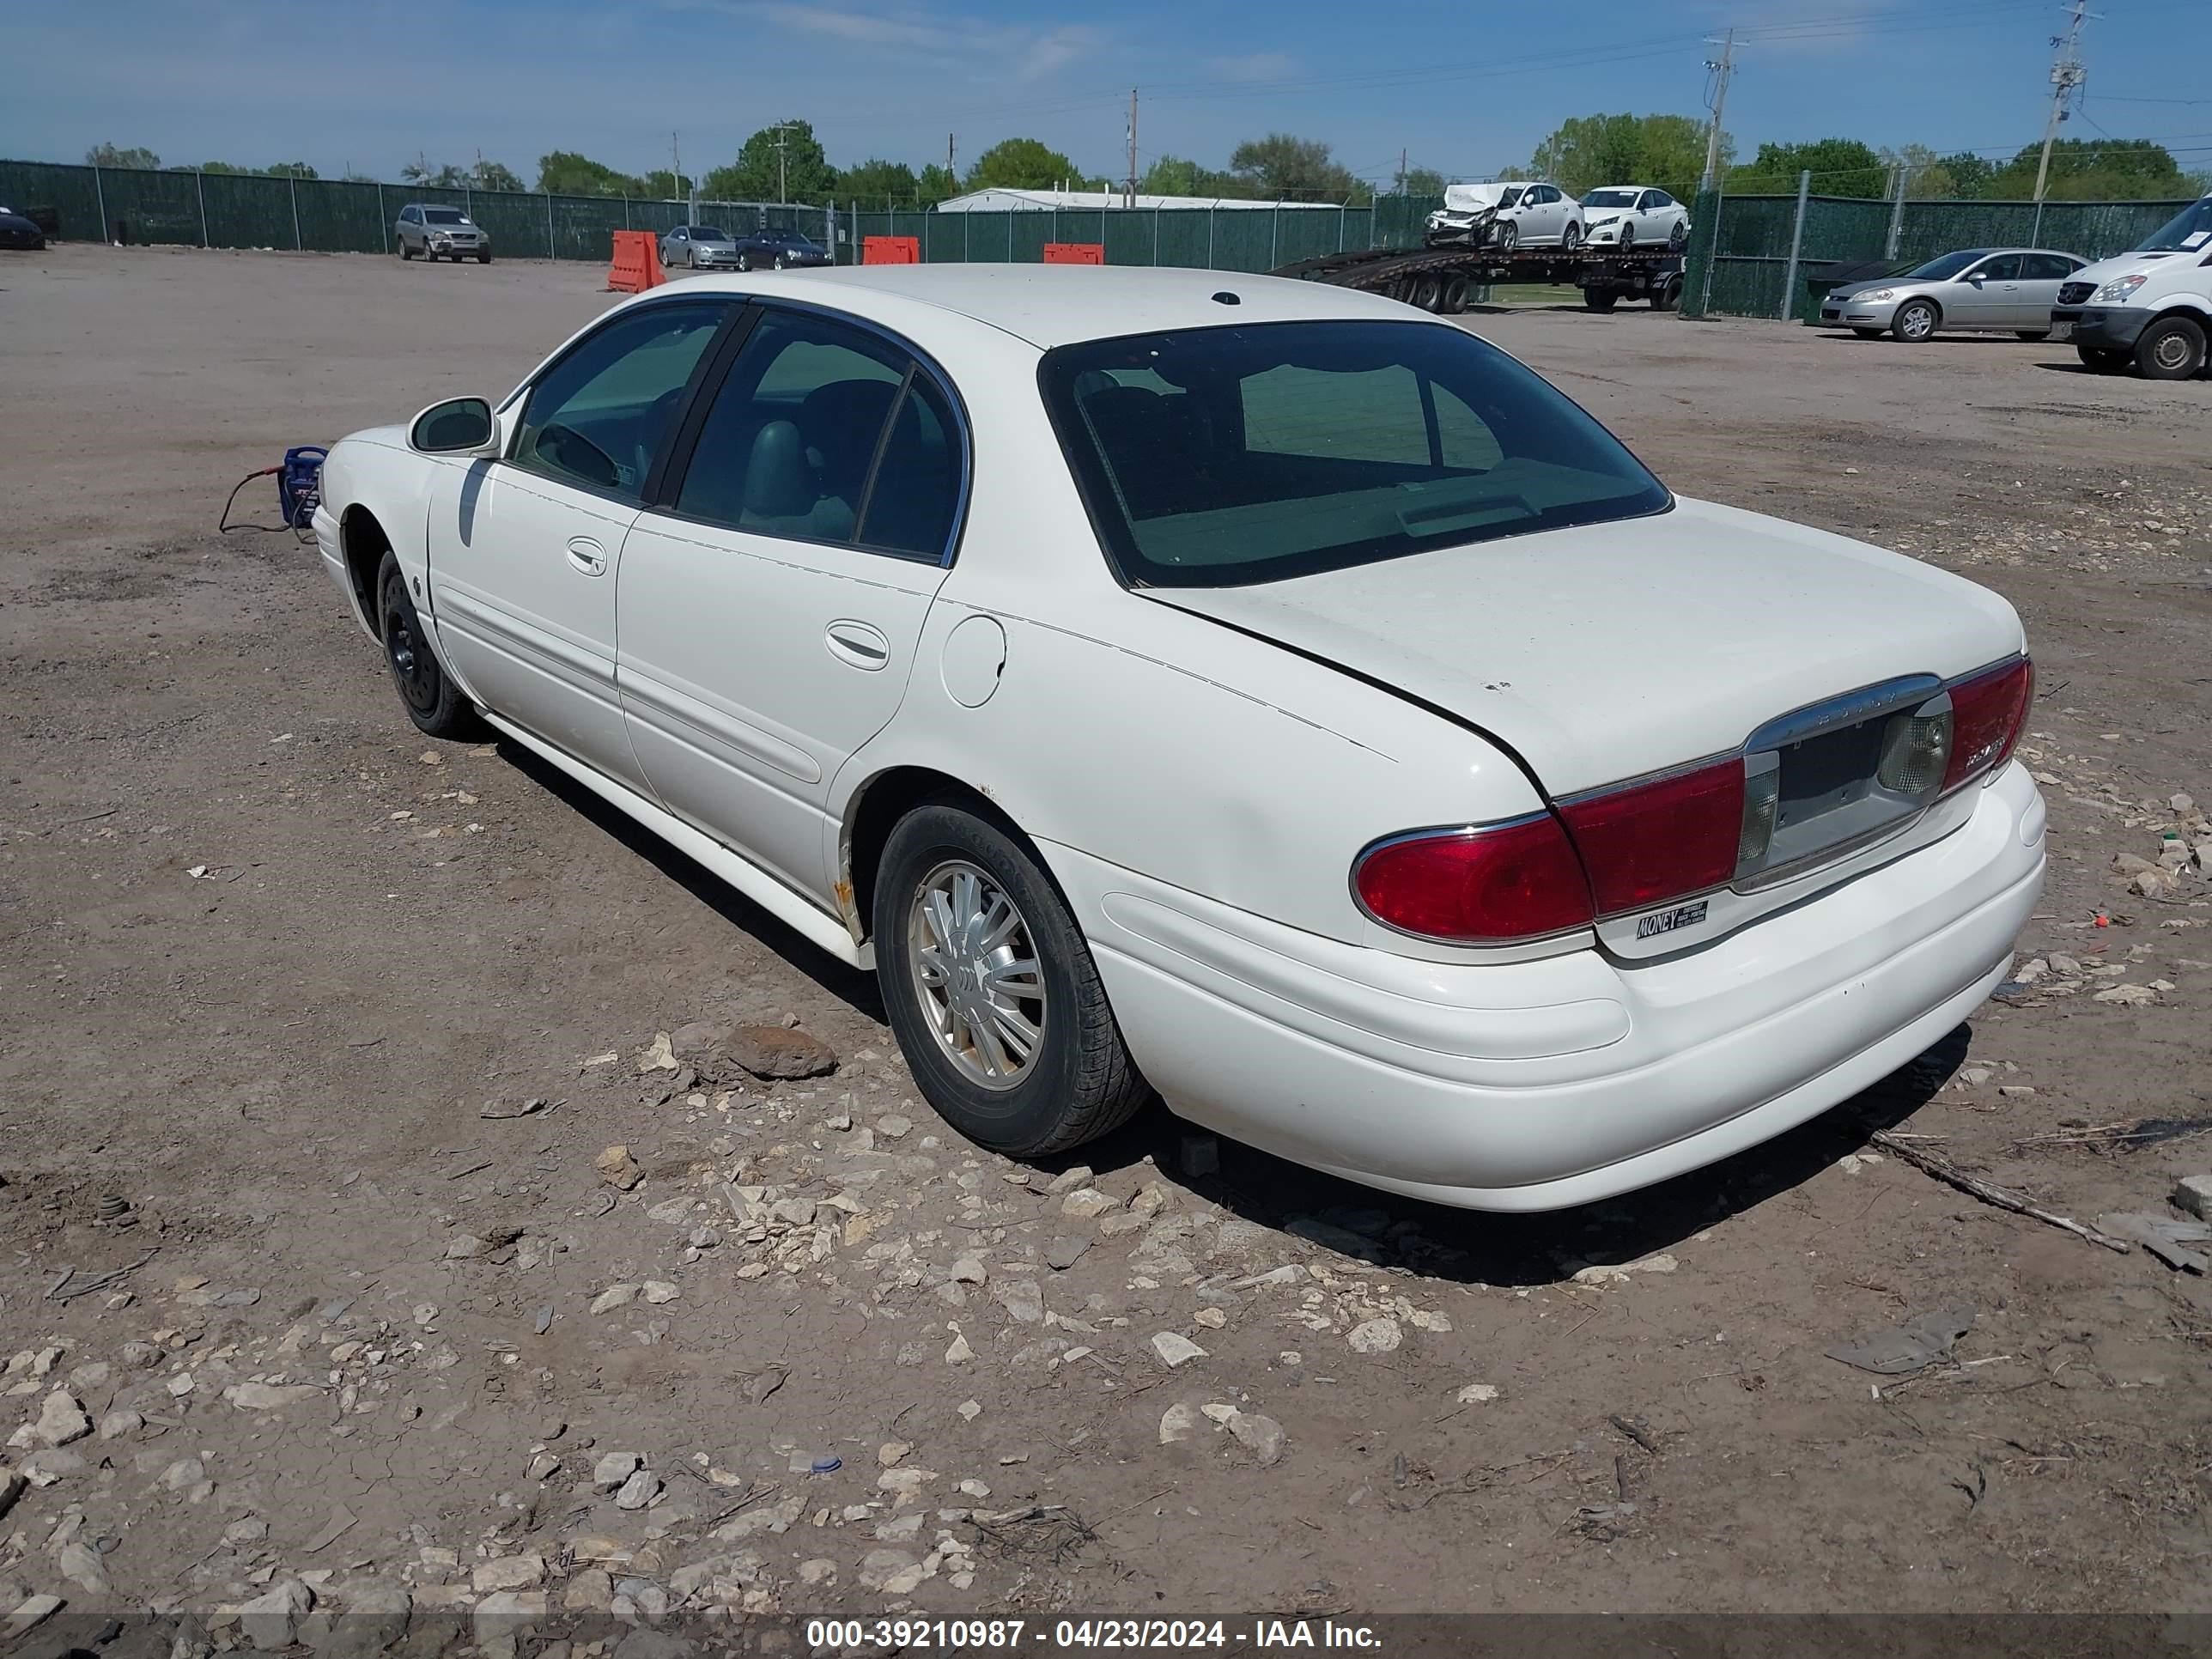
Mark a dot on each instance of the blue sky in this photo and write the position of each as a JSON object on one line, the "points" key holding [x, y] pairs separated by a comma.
{"points": [[1464, 88]]}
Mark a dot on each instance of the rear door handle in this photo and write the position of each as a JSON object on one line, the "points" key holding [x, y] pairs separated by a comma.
{"points": [[588, 556], [858, 643]]}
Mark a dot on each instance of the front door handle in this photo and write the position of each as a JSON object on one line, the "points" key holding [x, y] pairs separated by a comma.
{"points": [[588, 556], [858, 643]]}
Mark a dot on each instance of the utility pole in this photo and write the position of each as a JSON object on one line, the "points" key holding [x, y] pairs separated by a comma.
{"points": [[1723, 68], [782, 164], [2066, 75], [676, 170], [1402, 170], [1131, 199], [951, 171]]}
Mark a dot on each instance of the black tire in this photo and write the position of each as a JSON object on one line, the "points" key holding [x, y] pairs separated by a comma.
{"points": [[1508, 237], [433, 701], [1678, 238], [1453, 298], [1423, 290], [2032, 335], [2171, 348], [779, 262], [405, 252], [1079, 1082], [1571, 238], [1627, 236], [1867, 333], [1600, 299], [745, 260], [1917, 321], [484, 258], [1666, 293], [2104, 360]]}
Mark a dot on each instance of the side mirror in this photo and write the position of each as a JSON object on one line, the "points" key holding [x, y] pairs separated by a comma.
{"points": [[1974, 277], [460, 426]]}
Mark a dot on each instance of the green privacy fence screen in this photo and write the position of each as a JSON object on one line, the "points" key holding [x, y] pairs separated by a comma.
{"points": [[1739, 253], [333, 215]]}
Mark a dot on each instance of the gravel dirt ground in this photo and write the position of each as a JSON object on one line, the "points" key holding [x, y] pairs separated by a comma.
{"points": [[285, 981]]}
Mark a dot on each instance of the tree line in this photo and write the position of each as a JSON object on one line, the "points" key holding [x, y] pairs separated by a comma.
{"points": [[785, 162], [1669, 151]]}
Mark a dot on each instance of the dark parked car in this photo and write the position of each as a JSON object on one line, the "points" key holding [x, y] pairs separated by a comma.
{"points": [[779, 248], [19, 231]]}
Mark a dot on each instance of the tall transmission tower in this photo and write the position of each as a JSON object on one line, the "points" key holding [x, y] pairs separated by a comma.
{"points": [[2067, 75], [1723, 68]]}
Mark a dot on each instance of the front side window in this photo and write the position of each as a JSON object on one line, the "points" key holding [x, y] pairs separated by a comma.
{"points": [[1943, 266], [1219, 457], [1510, 198], [2005, 268], [827, 433], [600, 416]]}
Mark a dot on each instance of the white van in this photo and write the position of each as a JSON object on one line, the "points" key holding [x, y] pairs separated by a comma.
{"points": [[2152, 307]]}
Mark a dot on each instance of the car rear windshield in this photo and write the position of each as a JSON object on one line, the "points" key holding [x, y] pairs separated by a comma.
{"points": [[1220, 457], [2187, 231], [443, 217]]}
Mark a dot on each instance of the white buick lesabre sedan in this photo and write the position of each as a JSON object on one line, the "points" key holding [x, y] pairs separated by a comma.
{"points": [[1246, 690]]}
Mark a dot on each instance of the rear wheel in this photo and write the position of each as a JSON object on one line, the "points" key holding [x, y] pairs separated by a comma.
{"points": [[1571, 238], [1915, 321], [992, 991], [1666, 293], [2171, 348], [1453, 299], [399, 247], [1423, 291], [1600, 299], [434, 703], [1678, 238], [2103, 360]]}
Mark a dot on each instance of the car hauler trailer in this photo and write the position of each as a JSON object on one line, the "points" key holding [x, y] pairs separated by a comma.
{"points": [[1439, 279]]}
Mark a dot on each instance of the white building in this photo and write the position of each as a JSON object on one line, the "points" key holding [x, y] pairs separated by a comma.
{"points": [[1043, 201]]}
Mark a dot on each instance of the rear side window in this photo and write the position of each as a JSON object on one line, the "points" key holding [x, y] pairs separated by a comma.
{"points": [[2046, 267], [827, 433], [1224, 456], [600, 417]]}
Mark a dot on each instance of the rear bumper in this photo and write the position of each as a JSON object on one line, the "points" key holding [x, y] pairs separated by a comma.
{"points": [[2113, 327], [1540, 1084]]}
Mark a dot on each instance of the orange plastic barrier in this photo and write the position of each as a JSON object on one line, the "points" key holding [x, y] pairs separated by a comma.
{"points": [[891, 250], [637, 263], [1075, 254]]}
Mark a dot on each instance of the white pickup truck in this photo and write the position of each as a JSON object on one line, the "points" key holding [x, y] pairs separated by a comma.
{"points": [[2151, 307]]}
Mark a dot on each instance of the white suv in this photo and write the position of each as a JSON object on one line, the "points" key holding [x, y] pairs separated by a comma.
{"points": [[2151, 308]]}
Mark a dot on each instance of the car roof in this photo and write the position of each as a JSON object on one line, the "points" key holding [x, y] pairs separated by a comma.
{"points": [[1052, 306]]}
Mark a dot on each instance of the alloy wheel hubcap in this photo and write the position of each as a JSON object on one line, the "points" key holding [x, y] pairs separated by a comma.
{"points": [[975, 974], [1918, 323]]}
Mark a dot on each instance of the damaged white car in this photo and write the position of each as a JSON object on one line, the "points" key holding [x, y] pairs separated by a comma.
{"points": [[1506, 214], [1249, 691]]}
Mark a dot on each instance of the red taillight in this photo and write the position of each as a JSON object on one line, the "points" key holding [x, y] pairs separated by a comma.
{"points": [[1511, 881], [1647, 843], [1987, 715]]}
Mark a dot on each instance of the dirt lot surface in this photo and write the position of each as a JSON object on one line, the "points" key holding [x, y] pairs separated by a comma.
{"points": [[283, 979]]}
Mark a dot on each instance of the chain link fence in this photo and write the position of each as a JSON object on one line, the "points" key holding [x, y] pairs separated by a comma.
{"points": [[333, 216], [343, 216], [1742, 262]]}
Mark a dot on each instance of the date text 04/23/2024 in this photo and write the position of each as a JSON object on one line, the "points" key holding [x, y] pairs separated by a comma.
{"points": [[1014, 1635]]}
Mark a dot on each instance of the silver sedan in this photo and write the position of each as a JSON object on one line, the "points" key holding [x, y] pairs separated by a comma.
{"points": [[2002, 290], [698, 248]]}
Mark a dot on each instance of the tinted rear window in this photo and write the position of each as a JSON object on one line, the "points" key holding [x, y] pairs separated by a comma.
{"points": [[1217, 456]]}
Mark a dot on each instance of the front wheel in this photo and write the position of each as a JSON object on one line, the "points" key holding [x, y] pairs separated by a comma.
{"points": [[992, 991], [1508, 237], [745, 261], [1627, 236], [1915, 321], [2103, 360], [434, 703], [1867, 333], [484, 258], [2171, 349]]}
